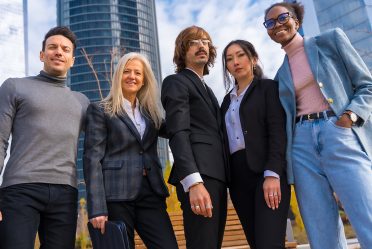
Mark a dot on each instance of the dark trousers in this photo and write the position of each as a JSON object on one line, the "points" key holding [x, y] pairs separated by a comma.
{"points": [[264, 228], [201, 232], [49, 209], [146, 214]]}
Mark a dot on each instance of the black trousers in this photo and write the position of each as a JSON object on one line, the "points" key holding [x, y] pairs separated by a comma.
{"points": [[201, 232], [264, 228], [146, 214], [50, 209]]}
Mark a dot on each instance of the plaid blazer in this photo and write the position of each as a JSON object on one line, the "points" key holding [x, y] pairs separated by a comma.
{"points": [[114, 159]]}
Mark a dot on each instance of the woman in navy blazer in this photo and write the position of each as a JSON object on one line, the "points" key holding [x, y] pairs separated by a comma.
{"points": [[326, 91], [254, 125], [122, 170]]}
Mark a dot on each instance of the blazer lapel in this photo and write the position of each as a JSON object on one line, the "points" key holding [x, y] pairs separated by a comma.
{"points": [[312, 53], [200, 88], [125, 118], [249, 90], [284, 76], [225, 104], [149, 125]]}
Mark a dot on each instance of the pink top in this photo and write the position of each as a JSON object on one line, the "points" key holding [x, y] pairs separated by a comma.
{"points": [[309, 98]]}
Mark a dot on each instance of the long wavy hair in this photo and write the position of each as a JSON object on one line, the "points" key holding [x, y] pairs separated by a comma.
{"points": [[182, 46], [148, 95]]}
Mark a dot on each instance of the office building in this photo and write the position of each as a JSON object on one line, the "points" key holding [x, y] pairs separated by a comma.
{"points": [[353, 16], [13, 39], [13, 43]]}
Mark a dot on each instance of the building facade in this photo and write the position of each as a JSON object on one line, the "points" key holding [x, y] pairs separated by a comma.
{"points": [[13, 44], [13, 39], [106, 29], [353, 16]]}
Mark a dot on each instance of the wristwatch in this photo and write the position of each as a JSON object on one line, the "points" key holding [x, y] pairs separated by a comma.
{"points": [[353, 117]]}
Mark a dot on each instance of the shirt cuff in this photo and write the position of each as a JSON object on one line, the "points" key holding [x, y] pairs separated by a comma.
{"points": [[190, 180], [271, 173]]}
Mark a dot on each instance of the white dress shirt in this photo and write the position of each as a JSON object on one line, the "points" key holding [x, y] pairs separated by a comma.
{"points": [[234, 128], [135, 115]]}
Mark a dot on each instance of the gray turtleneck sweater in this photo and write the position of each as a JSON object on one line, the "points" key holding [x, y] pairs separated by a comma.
{"points": [[44, 118]]}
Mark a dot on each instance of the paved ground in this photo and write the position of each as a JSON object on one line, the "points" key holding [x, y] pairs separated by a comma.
{"points": [[352, 244]]}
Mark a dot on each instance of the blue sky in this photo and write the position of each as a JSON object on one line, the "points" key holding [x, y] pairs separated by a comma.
{"points": [[224, 20]]}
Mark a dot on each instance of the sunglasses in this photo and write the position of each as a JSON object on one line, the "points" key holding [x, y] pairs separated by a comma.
{"points": [[282, 19]]}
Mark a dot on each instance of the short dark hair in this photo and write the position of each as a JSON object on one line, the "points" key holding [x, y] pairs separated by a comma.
{"points": [[182, 45], [250, 51], [60, 30], [296, 9]]}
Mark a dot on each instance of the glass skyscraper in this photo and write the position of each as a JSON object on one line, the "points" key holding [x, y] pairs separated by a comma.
{"points": [[104, 28], [353, 16], [13, 39]]}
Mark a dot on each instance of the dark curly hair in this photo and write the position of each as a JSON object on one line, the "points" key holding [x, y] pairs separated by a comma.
{"points": [[296, 9], [182, 45], [250, 51]]}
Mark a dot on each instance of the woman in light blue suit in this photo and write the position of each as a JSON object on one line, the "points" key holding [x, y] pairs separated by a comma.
{"points": [[326, 91]]}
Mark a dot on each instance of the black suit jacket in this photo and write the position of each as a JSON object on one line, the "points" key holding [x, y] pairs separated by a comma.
{"points": [[114, 159], [262, 120], [194, 127]]}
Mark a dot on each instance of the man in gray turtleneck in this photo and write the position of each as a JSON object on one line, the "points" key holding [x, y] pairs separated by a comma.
{"points": [[44, 118]]}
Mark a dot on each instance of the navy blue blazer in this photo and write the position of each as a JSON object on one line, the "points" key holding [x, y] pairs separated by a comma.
{"points": [[114, 159]]}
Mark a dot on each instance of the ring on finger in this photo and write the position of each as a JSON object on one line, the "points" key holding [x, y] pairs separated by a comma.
{"points": [[197, 206]]}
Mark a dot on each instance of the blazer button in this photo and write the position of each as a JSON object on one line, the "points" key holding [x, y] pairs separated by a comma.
{"points": [[245, 132], [330, 100], [141, 152], [320, 84]]}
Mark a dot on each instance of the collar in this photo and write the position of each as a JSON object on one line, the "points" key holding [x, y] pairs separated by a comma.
{"points": [[56, 80], [234, 91], [128, 106], [292, 47], [200, 77]]}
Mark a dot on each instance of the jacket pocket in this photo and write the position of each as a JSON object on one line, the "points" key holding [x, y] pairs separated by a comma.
{"points": [[112, 165]]}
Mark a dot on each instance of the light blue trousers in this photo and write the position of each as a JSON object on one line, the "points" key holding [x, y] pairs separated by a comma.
{"points": [[326, 159]]}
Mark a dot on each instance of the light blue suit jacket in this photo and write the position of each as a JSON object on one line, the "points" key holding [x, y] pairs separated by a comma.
{"points": [[344, 81]]}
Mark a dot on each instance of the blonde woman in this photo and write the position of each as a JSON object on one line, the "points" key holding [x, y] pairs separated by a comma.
{"points": [[122, 171]]}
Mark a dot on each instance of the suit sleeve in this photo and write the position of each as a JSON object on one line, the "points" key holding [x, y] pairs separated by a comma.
{"points": [[276, 130], [175, 100], [94, 151], [163, 130], [8, 106], [361, 79]]}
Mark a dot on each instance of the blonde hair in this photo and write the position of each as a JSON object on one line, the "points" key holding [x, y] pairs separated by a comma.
{"points": [[148, 95]]}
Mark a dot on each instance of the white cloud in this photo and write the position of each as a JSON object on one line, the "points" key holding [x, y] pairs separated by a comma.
{"points": [[42, 16], [224, 21]]}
